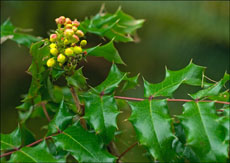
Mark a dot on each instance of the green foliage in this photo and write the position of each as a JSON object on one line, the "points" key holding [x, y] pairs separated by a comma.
{"points": [[118, 26], [192, 75], [199, 134], [152, 123], [32, 154], [204, 135], [9, 31], [84, 146], [108, 51]]}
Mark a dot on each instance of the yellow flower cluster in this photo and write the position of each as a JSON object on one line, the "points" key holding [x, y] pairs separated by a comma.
{"points": [[65, 44]]}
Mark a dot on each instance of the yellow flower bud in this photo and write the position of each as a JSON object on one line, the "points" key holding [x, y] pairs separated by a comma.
{"points": [[51, 62], [69, 52], [66, 42], [77, 50], [53, 45], [61, 58], [54, 51], [83, 43]]}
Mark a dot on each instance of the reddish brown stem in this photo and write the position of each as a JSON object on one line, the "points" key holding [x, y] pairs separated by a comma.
{"points": [[127, 150], [175, 100], [76, 100], [80, 109], [45, 111], [29, 145]]}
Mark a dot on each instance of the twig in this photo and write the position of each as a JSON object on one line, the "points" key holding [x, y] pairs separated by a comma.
{"points": [[76, 99], [80, 110], [127, 150], [45, 111], [175, 100], [29, 145]]}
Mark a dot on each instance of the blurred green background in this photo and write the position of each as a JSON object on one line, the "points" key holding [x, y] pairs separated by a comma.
{"points": [[173, 34]]}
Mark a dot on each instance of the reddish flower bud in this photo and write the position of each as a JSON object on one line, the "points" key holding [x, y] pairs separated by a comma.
{"points": [[75, 38], [53, 37], [60, 20], [75, 23], [68, 21]]}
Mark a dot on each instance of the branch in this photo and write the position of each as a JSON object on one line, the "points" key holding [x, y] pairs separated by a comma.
{"points": [[80, 109], [127, 150], [168, 99], [29, 145], [45, 111], [76, 99]]}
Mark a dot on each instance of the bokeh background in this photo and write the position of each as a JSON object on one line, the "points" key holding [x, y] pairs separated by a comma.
{"points": [[172, 35]]}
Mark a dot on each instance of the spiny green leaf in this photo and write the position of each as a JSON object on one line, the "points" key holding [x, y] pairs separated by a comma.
{"points": [[108, 51], [118, 26], [223, 96], [225, 121], [204, 134], [130, 82], [26, 135], [61, 120], [12, 140], [77, 79], [112, 81], [191, 74], [84, 146], [101, 112], [212, 90], [8, 31], [32, 154], [152, 123]]}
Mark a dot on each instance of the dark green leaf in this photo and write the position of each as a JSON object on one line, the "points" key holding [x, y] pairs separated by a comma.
{"points": [[112, 81], [101, 112], [225, 121], [108, 51], [192, 75], [32, 154], [8, 31], [61, 120], [213, 90], [152, 123], [130, 82], [84, 146], [77, 80], [27, 135], [118, 26], [204, 134], [12, 140]]}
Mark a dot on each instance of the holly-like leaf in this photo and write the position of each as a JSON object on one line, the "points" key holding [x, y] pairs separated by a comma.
{"points": [[224, 120], [84, 146], [9, 31], [77, 79], [61, 120], [204, 134], [223, 96], [108, 51], [101, 112], [27, 136], [152, 123], [32, 154], [213, 90], [191, 74], [112, 81], [130, 82], [118, 26], [12, 140]]}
